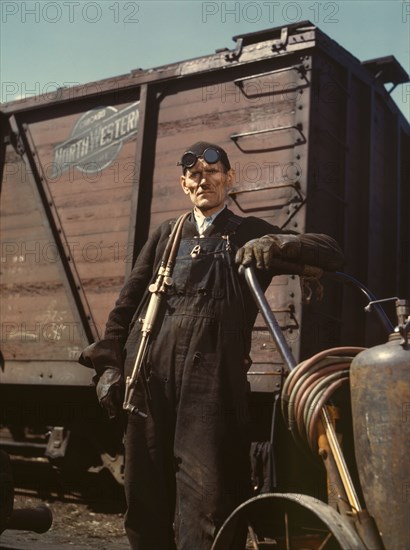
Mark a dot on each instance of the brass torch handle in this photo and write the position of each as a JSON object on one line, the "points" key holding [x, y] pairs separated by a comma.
{"points": [[157, 290], [340, 461]]}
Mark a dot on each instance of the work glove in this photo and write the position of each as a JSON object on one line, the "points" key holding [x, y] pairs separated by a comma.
{"points": [[286, 253], [110, 392]]}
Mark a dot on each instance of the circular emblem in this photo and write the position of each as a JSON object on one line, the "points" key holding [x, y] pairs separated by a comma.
{"points": [[96, 139], [91, 124]]}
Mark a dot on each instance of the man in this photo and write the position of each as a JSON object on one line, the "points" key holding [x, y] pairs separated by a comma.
{"points": [[187, 447]]}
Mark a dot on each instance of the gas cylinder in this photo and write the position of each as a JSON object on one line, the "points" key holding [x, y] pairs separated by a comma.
{"points": [[380, 394]]}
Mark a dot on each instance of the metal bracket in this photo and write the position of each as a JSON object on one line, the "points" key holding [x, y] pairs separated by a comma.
{"points": [[57, 443], [300, 69], [235, 54], [298, 127], [281, 42], [115, 465], [296, 186], [297, 201], [299, 140], [277, 44]]}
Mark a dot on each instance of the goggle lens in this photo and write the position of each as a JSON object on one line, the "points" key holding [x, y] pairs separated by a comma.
{"points": [[189, 159]]}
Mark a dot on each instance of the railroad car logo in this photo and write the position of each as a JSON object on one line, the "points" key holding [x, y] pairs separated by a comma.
{"points": [[96, 139]]}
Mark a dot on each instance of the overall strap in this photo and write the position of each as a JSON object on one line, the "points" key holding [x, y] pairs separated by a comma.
{"points": [[171, 249]]}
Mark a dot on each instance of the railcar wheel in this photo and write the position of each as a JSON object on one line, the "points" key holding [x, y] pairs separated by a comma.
{"points": [[289, 521]]}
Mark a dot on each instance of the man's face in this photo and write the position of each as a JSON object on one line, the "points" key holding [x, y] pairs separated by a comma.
{"points": [[207, 185]]}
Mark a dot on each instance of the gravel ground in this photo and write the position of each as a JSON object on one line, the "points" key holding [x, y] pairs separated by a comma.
{"points": [[87, 514], [75, 526]]}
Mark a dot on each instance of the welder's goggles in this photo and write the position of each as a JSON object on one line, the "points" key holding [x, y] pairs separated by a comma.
{"points": [[210, 155]]}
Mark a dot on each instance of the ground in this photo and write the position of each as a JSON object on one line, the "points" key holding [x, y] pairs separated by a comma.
{"points": [[86, 515], [75, 526]]}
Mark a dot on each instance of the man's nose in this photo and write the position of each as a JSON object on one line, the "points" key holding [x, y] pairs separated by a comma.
{"points": [[202, 180]]}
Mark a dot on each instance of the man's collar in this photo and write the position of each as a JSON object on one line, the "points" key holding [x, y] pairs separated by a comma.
{"points": [[203, 222], [199, 215]]}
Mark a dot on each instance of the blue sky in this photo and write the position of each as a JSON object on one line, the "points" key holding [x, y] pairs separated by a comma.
{"points": [[47, 44]]}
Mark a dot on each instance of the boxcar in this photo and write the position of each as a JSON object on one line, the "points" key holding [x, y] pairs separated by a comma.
{"points": [[317, 144]]}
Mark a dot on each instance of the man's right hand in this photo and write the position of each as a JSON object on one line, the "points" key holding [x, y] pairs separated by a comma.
{"points": [[288, 253], [110, 391]]}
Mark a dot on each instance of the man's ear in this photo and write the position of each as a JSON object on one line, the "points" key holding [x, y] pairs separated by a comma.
{"points": [[182, 180], [230, 178]]}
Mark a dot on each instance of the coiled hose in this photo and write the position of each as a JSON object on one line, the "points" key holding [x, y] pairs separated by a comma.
{"points": [[309, 386]]}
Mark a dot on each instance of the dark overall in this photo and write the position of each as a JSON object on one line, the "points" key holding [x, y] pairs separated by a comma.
{"points": [[187, 464]]}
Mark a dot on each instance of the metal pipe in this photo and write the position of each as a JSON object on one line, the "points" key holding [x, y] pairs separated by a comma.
{"points": [[289, 360], [349, 279], [269, 318]]}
